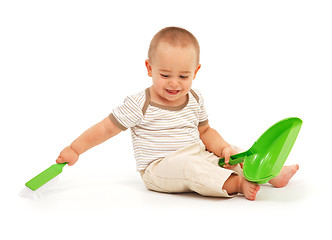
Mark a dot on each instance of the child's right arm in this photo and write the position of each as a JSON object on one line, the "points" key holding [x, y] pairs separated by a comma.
{"points": [[95, 135]]}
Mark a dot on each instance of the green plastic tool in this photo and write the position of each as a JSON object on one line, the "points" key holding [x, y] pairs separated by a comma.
{"points": [[45, 176], [264, 160]]}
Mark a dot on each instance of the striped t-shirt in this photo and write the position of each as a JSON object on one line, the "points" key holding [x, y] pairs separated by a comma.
{"points": [[159, 130]]}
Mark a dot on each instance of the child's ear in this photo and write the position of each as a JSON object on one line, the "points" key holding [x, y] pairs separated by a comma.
{"points": [[148, 67], [198, 67]]}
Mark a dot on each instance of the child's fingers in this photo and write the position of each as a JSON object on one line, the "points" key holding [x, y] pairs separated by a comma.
{"points": [[227, 166], [59, 160], [227, 157]]}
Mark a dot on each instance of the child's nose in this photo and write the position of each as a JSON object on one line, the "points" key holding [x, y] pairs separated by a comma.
{"points": [[173, 82]]}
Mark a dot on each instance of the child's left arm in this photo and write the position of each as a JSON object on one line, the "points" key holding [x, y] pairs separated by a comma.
{"points": [[215, 143]]}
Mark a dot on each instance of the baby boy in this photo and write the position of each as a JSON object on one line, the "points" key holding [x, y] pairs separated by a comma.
{"points": [[175, 148]]}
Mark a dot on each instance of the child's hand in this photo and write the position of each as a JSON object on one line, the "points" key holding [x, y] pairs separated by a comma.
{"points": [[226, 153], [68, 155]]}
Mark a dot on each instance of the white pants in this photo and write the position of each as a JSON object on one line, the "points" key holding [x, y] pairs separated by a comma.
{"points": [[190, 169]]}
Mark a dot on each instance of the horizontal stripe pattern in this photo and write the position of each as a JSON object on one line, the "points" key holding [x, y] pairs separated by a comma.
{"points": [[159, 131]]}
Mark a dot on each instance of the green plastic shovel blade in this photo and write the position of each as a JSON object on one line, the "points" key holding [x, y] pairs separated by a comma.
{"points": [[268, 154]]}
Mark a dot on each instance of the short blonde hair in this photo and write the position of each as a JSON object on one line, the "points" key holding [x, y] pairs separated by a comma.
{"points": [[174, 36]]}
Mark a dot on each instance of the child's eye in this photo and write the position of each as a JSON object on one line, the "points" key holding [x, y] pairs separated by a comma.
{"points": [[164, 75], [184, 76]]}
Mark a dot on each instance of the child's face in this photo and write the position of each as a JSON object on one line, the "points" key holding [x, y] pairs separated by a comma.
{"points": [[172, 70]]}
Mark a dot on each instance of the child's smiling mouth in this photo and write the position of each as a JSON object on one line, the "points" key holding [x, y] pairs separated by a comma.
{"points": [[172, 92]]}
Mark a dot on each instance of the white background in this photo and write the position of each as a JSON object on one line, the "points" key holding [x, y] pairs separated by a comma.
{"points": [[64, 65]]}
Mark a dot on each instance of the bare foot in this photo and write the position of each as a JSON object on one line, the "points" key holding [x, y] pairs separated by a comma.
{"points": [[249, 189], [286, 173]]}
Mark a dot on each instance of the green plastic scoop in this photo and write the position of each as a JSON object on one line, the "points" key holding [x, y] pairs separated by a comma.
{"points": [[264, 160]]}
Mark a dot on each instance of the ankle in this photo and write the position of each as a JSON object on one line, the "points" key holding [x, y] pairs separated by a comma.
{"points": [[233, 184], [241, 183]]}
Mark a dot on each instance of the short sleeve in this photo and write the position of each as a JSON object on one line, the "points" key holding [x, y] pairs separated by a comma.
{"points": [[202, 113], [127, 115]]}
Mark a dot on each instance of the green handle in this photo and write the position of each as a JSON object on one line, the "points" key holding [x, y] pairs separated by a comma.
{"points": [[234, 159], [45, 176]]}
